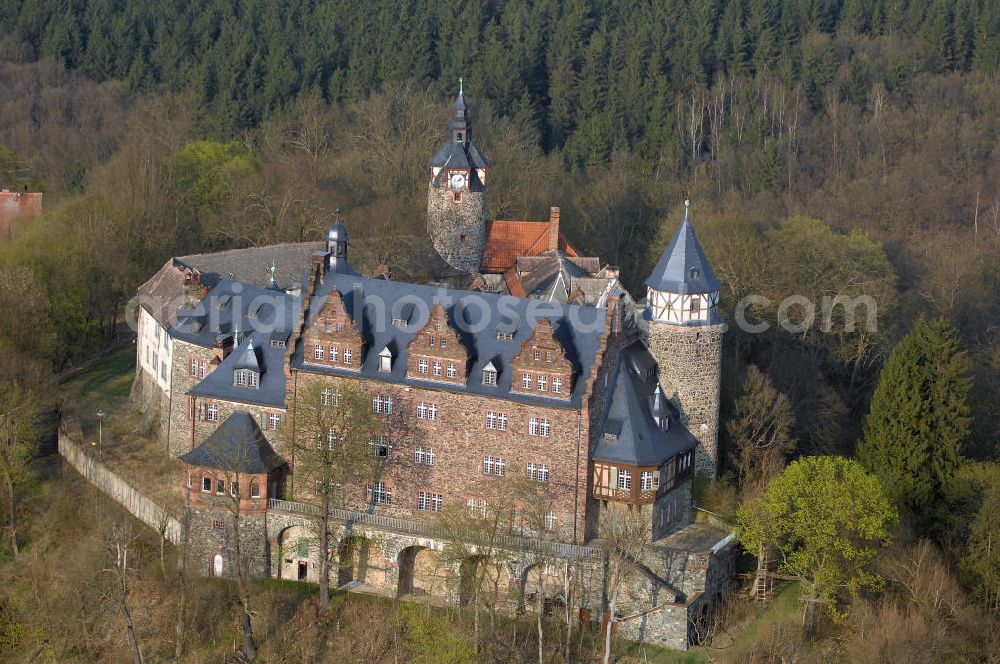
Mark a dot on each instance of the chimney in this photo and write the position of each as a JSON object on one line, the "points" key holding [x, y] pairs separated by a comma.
{"points": [[553, 228]]}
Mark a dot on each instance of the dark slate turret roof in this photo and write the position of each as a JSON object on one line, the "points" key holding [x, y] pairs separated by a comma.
{"points": [[464, 154], [628, 415], [476, 316], [683, 267], [238, 445]]}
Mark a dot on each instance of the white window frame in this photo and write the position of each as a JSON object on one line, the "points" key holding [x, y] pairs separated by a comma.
{"points": [[347, 356], [334, 354], [451, 372], [543, 383], [318, 353], [624, 480], [422, 366], [556, 385], [273, 421], [380, 494], [550, 521], [437, 368], [212, 413], [526, 381]]}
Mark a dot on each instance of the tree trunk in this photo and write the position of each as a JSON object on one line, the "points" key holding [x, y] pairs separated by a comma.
{"points": [[568, 594], [324, 552], [13, 517], [249, 648], [540, 607], [129, 627], [809, 616], [607, 631]]}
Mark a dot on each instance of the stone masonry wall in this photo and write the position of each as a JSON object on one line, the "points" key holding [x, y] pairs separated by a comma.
{"points": [[153, 402], [457, 228], [460, 441], [175, 421], [690, 360], [212, 531]]}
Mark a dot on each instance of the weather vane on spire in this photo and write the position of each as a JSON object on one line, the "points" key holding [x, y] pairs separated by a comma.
{"points": [[460, 85], [687, 205]]}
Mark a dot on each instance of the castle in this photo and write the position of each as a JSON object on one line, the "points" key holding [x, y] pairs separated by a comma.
{"points": [[543, 370]]}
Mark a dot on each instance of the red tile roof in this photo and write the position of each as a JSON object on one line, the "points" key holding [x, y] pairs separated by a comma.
{"points": [[507, 240]]}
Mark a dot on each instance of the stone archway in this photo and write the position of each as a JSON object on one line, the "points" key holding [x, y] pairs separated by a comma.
{"points": [[493, 579], [298, 559], [528, 588], [421, 572], [352, 552]]}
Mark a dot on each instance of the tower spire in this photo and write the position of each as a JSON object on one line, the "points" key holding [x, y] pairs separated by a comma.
{"points": [[687, 206]]}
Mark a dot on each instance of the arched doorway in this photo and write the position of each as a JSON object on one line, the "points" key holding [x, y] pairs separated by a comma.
{"points": [[421, 572], [353, 554], [299, 554], [217, 565]]}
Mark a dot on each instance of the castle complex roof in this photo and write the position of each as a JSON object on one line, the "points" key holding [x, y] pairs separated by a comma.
{"points": [[477, 317], [238, 445], [627, 432], [683, 267], [506, 241], [253, 264], [264, 316]]}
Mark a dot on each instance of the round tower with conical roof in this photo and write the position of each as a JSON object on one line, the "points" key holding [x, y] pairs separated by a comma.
{"points": [[456, 195], [684, 333]]}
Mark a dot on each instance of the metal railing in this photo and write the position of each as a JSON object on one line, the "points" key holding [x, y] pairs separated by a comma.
{"points": [[513, 542]]}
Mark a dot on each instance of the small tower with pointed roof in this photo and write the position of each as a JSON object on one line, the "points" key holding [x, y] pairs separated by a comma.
{"points": [[684, 333], [456, 195]]}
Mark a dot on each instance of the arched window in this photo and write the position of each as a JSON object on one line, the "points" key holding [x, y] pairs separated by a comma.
{"points": [[217, 565]]}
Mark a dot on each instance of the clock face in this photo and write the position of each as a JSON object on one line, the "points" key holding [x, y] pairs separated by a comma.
{"points": [[458, 181]]}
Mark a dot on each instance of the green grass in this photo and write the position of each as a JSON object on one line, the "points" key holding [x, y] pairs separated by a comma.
{"points": [[785, 607], [108, 378], [639, 652]]}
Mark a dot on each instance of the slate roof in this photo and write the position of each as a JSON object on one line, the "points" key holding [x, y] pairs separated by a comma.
{"points": [[683, 267], [476, 316], [253, 264], [238, 445], [162, 293], [262, 315], [548, 276], [506, 241], [458, 155], [628, 415]]}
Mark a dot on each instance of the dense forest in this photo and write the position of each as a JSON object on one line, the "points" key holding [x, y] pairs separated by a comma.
{"points": [[829, 148]]}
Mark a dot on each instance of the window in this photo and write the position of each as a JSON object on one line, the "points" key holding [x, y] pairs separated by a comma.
{"points": [[437, 368], [550, 521], [385, 361], [496, 420], [422, 366], [443, 342], [220, 487], [190, 479], [649, 480], [451, 372], [328, 328], [194, 368], [543, 383], [557, 385], [331, 439], [526, 381], [424, 456], [206, 484], [477, 508], [201, 368], [318, 353], [212, 413], [427, 501], [539, 426], [218, 524], [427, 411], [548, 356], [335, 398], [399, 322], [489, 377], [380, 447], [347, 356], [273, 420], [334, 354], [494, 466], [380, 494], [324, 397], [381, 404], [624, 479], [505, 336], [538, 472], [254, 490], [302, 548], [234, 489], [538, 354]]}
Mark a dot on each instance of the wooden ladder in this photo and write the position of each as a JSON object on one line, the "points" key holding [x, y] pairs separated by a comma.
{"points": [[762, 583]]}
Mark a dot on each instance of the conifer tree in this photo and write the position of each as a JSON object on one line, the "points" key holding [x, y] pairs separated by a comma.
{"points": [[919, 421]]}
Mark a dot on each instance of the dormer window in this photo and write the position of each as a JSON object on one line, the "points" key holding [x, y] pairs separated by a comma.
{"points": [[399, 322], [489, 374], [458, 137], [385, 360], [695, 273], [246, 378], [505, 336]]}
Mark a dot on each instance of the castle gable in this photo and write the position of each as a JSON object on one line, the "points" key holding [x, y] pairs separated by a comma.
{"points": [[436, 352], [541, 366], [332, 337]]}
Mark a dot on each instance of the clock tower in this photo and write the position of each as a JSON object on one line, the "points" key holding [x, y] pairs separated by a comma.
{"points": [[456, 195]]}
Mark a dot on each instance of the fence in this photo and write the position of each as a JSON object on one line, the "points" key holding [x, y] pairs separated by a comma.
{"points": [[512, 542], [121, 491]]}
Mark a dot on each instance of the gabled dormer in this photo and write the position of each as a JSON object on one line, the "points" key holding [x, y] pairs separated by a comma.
{"points": [[247, 369], [436, 352], [541, 367], [332, 338]]}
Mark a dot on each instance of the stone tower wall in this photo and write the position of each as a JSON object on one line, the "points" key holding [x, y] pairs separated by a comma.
{"points": [[211, 531], [457, 228], [690, 360]]}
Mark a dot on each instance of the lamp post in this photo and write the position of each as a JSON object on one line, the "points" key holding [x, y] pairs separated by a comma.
{"points": [[100, 433]]}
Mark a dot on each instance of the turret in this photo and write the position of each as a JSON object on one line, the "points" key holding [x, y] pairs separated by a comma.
{"points": [[456, 199], [684, 333]]}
